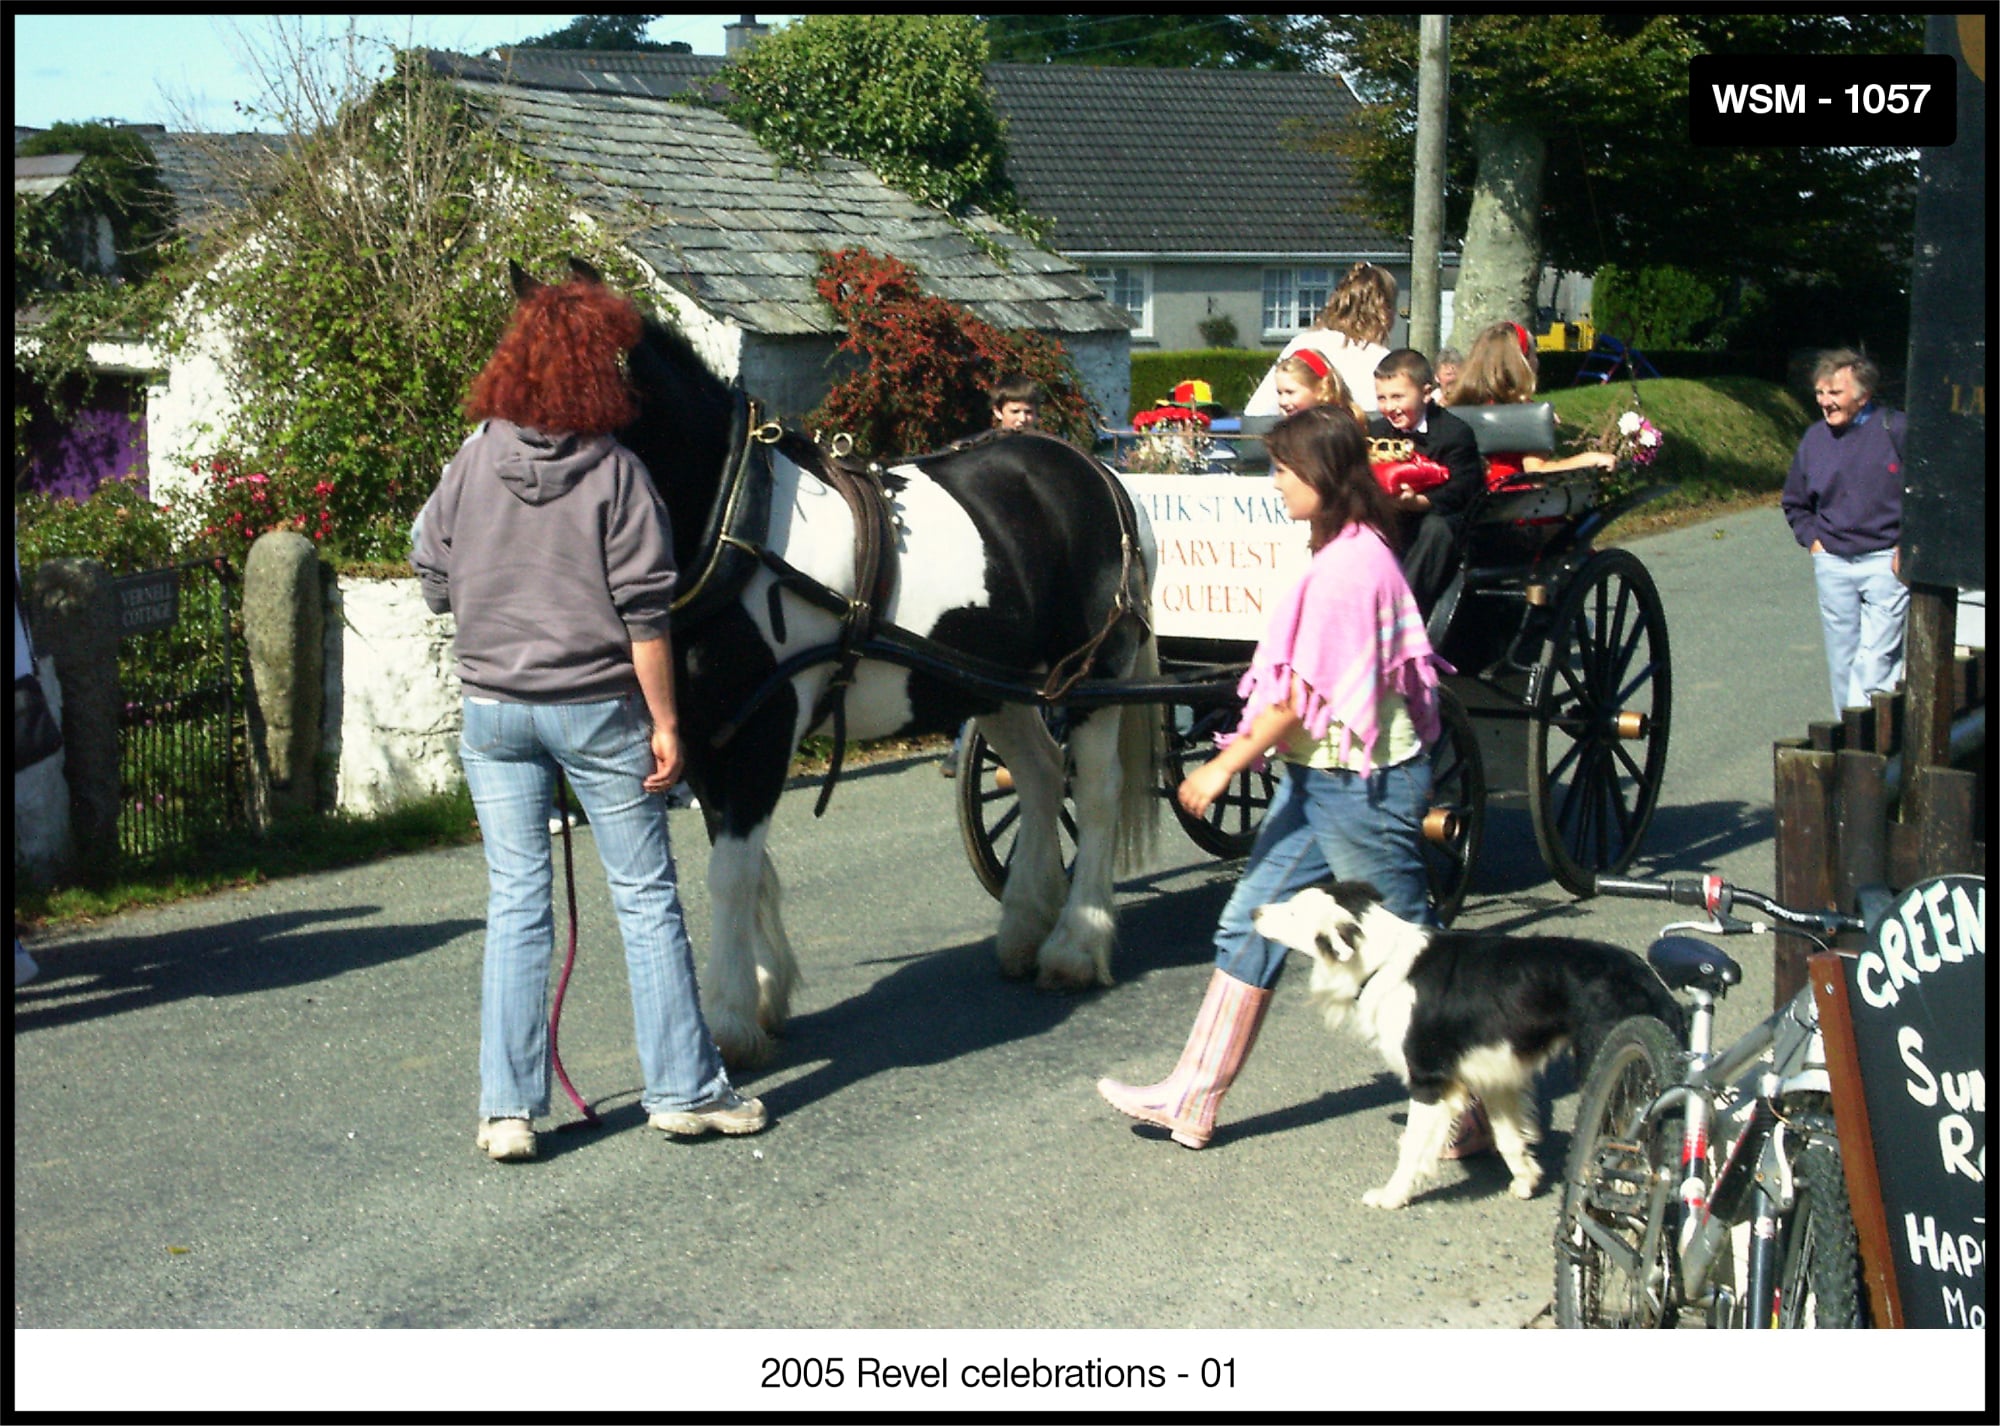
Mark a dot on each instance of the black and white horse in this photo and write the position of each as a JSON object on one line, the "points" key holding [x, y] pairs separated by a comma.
{"points": [[1010, 554]]}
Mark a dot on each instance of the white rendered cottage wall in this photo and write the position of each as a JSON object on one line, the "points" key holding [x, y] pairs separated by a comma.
{"points": [[392, 696]]}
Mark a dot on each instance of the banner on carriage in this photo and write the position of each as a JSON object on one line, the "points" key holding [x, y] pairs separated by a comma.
{"points": [[1227, 551]]}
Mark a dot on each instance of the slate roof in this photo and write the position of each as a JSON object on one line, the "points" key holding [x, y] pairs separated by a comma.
{"points": [[209, 174], [739, 234], [1182, 162], [43, 174], [1159, 162]]}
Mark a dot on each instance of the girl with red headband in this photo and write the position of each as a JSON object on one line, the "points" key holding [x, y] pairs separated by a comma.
{"points": [[1348, 333], [1501, 368], [1306, 379]]}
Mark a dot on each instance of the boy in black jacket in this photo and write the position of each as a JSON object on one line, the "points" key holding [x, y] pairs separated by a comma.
{"points": [[1403, 390]]}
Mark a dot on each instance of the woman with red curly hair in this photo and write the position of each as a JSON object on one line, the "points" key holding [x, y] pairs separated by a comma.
{"points": [[548, 542]]}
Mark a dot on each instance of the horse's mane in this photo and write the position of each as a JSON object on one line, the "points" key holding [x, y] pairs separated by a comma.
{"points": [[669, 343]]}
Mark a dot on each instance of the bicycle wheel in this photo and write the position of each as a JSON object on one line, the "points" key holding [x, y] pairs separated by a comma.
{"points": [[1614, 1245], [1820, 1283]]}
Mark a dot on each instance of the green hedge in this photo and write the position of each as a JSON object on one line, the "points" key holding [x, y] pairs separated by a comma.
{"points": [[1232, 372]]}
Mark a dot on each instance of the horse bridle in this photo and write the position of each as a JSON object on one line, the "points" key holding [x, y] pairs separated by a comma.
{"points": [[861, 635]]}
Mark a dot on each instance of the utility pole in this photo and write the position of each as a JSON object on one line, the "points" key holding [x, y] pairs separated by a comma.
{"points": [[1433, 77]]}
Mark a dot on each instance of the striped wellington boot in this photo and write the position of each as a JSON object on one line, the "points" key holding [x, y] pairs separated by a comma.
{"points": [[1185, 1101]]}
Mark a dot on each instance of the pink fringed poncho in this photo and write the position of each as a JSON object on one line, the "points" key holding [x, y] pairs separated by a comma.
{"points": [[1345, 634]]}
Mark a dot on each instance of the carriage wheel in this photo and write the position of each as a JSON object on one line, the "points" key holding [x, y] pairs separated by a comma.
{"points": [[1598, 744], [1230, 825], [1457, 817], [989, 814]]}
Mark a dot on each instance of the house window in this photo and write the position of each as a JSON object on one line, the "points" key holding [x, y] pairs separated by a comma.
{"points": [[1293, 296], [1132, 289]]}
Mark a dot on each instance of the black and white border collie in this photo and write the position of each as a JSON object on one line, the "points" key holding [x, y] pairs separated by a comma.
{"points": [[1459, 1014]]}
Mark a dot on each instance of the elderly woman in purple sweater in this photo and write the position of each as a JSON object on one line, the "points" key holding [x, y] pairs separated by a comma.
{"points": [[1844, 499]]}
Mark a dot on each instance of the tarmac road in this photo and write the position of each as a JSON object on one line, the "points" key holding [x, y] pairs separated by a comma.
{"points": [[256, 1110]]}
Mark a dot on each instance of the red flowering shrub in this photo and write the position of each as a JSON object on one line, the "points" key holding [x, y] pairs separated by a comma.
{"points": [[235, 506], [929, 363]]}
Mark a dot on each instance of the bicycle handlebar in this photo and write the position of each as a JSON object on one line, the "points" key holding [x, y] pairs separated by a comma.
{"points": [[1719, 898]]}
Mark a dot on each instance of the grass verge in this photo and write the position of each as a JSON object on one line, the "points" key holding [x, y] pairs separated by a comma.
{"points": [[243, 858]]}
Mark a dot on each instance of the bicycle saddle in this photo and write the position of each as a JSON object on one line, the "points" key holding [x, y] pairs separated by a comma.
{"points": [[1686, 963]]}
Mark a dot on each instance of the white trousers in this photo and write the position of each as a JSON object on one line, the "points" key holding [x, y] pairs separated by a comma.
{"points": [[1862, 611]]}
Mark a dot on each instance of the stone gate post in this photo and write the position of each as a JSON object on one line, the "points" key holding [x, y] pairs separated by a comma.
{"points": [[283, 631]]}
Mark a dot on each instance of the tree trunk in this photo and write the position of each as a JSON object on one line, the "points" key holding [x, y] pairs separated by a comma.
{"points": [[1501, 261]]}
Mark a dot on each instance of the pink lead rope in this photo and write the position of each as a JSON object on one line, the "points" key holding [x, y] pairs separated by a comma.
{"points": [[569, 960]]}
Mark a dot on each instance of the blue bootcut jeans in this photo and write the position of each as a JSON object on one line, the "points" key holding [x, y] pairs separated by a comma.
{"points": [[1329, 823], [511, 752]]}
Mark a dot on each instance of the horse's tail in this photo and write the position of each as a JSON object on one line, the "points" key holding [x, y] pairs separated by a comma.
{"points": [[1141, 741]]}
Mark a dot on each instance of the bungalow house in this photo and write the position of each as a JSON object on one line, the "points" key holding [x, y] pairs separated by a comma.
{"points": [[1190, 196], [733, 240]]}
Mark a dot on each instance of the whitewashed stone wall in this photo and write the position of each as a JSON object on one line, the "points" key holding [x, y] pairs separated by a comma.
{"points": [[392, 698]]}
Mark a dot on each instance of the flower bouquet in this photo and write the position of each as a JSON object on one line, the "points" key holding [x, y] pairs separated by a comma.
{"points": [[1630, 438]]}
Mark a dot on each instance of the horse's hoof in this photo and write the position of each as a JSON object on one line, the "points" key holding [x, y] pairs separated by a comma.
{"points": [[1018, 966], [745, 1051], [1066, 978]]}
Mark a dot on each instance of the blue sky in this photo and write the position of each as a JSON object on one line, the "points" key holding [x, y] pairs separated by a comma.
{"points": [[190, 71]]}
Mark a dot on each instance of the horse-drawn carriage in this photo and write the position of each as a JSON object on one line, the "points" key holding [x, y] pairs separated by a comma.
{"points": [[1007, 580], [1562, 695]]}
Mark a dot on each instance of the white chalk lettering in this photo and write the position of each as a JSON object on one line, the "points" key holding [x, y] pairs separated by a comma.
{"points": [[1955, 1146], [1960, 1253], [1955, 1309], [1922, 1084], [1970, 918], [1869, 970], [1941, 927]]}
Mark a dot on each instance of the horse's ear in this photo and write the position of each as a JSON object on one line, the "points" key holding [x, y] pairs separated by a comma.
{"points": [[519, 280], [585, 271]]}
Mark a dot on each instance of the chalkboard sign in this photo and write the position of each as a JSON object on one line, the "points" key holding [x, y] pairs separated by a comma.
{"points": [[1916, 999], [148, 601]]}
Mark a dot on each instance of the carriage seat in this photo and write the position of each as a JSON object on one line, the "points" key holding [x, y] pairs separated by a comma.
{"points": [[1523, 426], [1510, 428]]}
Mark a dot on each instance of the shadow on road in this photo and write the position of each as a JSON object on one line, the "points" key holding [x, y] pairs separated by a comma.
{"points": [[940, 1005], [1378, 1093], [89, 979]]}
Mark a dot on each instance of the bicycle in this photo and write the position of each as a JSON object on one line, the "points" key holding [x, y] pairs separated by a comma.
{"points": [[1682, 1151]]}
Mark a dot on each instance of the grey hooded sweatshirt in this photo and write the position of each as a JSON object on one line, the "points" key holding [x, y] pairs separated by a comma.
{"points": [[555, 553]]}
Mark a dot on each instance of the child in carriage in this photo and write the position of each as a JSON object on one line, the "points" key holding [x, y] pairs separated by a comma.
{"points": [[1342, 690], [1501, 369], [1306, 379], [1404, 392]]}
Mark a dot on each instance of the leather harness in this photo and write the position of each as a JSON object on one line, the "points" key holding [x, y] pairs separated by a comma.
{"points": [[733, 547]]}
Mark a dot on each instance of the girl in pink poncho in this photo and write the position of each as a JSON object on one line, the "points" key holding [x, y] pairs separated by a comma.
{"points": [[1343, 691]]}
